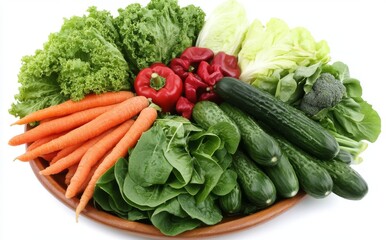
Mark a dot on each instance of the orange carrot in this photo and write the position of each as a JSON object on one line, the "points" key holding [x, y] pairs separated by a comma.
{"points": [[93, 155], [68, 107], [144, 121], [89, 176], [120, 113], [70, 173], [44, 140], [58, 125], [49, 156], [47, 120], [72, 158], [65, 152]]}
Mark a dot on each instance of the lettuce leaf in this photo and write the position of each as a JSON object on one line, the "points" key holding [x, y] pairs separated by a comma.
{"points": [[270, 53], [353, 117], [225, 28], [158, 32], [81, 58]]}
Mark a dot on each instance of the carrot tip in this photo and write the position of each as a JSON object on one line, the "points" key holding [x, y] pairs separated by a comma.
{"points": [[77, 213], [20, 159], [68, 195]]}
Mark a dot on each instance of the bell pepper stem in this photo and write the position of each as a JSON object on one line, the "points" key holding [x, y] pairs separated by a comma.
{"points": [[157, 82]]}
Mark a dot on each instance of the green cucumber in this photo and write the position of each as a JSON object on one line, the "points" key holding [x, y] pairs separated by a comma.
{"points": [[290, 122], [348, 183], [344, 156], [232, 202], [313, 179], [256, 185], [209, 116], [259, 145], [284, 177]]}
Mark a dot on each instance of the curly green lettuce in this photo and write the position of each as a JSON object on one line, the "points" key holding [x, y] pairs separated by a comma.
{"points": [[82, 57], [158, 32]]}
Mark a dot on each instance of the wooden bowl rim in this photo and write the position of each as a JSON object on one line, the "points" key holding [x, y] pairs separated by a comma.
{"points": [[228, 225]]}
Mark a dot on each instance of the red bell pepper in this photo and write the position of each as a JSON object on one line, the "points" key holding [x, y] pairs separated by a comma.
{"points": [[200, 70], [184, 107], [209, 73], [193, 87], [161, 85], [228, 64], [197, 54], [189, 60], [180, 67]]}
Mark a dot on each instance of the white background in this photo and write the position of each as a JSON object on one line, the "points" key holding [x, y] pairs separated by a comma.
{"points": [[355, 31]]}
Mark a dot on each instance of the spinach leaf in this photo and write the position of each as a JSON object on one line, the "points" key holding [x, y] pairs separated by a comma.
{"points": [[205, 142], [193, 189], [171, 219], [206, 211], [147, 163], [120, 172], [226, 131], [107, 177], [174, 158], [151, 196], [226, 183], [107, 194], [211, 172], [177, 154], [198, 175], [136, 214], [223, 158], [116, 201], [101, 198]]}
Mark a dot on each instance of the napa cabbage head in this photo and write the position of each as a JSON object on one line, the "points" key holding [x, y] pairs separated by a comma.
{"points": [[224, 29], [272, 53]]}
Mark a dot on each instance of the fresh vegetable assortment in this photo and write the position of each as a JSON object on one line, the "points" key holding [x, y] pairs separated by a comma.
{"points": [[161, 117]]}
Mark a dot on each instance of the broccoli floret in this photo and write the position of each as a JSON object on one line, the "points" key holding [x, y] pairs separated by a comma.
{"points": [[325, 93]]}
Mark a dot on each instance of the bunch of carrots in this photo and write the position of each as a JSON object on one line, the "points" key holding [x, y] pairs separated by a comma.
{"points": [[85, 138]]}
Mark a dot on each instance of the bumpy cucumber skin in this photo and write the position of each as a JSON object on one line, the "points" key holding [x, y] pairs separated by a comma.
{"points": [[207, 114], [344, 156], [232, 202], [290, 122], [283, 177], [313, 179], [256, 185], [260, 146], [348, 183]]}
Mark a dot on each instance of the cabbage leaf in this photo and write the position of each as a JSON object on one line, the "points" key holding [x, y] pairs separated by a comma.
{"points": [[224, 30], [269, 53]]}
